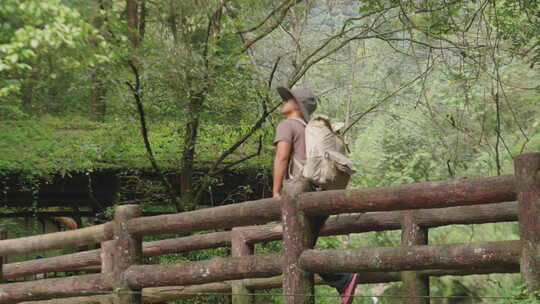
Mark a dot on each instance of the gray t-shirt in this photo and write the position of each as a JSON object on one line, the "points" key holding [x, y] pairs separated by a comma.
{"points": [[292, 130]]}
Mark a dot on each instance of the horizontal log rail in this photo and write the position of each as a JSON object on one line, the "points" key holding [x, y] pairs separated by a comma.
{"points": [[448, 256], [48, 214], [166, 293], [54, 288], [57, 240], [171, 293], [214, 270], [79, 260], [189, 243], [66, 262], [248, 213], [380, 221], [470, 256], [428, 195]]}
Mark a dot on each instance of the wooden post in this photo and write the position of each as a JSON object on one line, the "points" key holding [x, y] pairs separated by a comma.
{"points": [[107, 256], [527, 171], [3, 236], [240, 248], [128, 252], [415, 285], [297, 236]]}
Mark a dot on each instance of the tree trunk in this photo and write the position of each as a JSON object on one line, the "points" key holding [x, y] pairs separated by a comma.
{"points": [[98, 107], [27, 95], [187, 186], [132, 10]]}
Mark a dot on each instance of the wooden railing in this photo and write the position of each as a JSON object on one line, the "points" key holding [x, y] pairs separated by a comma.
{"points": [[412, 208]]}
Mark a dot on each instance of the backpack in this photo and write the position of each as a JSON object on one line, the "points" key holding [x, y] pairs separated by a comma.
{"points": [[326, 164]]}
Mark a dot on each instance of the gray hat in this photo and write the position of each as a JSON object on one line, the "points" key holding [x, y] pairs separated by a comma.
{"points": [[304, 98]]}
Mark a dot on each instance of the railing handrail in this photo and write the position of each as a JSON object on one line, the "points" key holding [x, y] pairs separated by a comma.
{"points": [[425, 195], [336, 225], [56, 240]]}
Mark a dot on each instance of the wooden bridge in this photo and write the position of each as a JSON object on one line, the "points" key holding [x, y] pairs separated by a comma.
{"points": [[124, 279]]}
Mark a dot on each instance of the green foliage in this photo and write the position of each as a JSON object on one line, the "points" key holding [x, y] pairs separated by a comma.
{"points": [[35, 34], [517, 294], [518, 21], [57, 146]]}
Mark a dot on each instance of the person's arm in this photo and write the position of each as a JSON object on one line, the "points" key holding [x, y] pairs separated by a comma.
{"points": [[281, 162]]}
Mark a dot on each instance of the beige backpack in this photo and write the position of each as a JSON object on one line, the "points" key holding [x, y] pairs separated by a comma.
{"points": [[326, 164]]}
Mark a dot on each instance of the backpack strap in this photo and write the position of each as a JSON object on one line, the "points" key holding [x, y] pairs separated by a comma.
{"points": [[295, 161]]}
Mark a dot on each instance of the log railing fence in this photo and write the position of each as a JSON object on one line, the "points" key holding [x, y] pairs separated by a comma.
{"points": [[412, 208]]}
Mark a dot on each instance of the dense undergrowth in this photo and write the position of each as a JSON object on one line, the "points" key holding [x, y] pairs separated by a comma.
{"points": [[51, 145]]}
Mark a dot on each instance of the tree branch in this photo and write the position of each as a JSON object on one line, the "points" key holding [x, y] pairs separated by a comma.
{"points": [[270, 15], [135, 90], [274, 68], [386, 98], [271, 28], [215, 171]]}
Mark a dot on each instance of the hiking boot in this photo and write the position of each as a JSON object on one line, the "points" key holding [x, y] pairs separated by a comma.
{"points": [[348, 291]]}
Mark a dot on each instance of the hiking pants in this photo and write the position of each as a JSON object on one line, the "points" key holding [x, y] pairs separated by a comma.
{"points": [[336, 280]]}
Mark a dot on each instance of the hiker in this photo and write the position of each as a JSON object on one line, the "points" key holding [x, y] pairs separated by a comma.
{"points": [[297, 107]]}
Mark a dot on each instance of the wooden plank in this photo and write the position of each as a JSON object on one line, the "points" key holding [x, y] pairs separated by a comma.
{"points": [[527, 168]]}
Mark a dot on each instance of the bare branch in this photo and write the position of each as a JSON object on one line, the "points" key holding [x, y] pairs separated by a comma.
{"points": [[215, 171], [243, 139], [271, 28], [270, 15], [386, 98], [257, 153], [273, 72], [135, 90]]}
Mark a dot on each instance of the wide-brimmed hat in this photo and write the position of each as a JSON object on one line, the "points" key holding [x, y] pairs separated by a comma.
{"points": [[304, 98]]}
